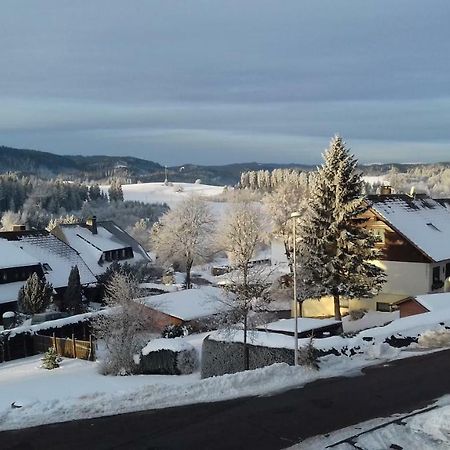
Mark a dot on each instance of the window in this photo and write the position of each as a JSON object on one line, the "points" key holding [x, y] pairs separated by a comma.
{"points": [[384, 307], [437, 283], [447, 270], [47, 267], [436, 274]]}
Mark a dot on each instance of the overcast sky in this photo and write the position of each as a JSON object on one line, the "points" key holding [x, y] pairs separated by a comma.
{"points": [[212, 82]]}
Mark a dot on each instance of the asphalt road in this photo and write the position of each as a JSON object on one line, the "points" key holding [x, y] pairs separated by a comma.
{"points": [[271, 422]]}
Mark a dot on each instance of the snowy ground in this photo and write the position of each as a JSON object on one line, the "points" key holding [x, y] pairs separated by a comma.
{"points": [[426, 429], [172, 195], [76, 390]]}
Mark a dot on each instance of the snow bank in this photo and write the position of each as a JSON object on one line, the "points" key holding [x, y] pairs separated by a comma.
{"points": [[77, 391]]}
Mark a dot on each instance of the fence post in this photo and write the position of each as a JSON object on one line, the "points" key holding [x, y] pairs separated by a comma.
{"points": [[74, 346], [91, 349], [55, 343]]}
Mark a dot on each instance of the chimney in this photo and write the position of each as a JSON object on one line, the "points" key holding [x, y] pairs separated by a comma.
{"points": [[19, 228], [385, 190], [92, 224]]}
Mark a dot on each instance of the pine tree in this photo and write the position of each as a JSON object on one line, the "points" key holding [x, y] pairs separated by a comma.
{"points": [[35, 295], [51, 359], [336, 250], [95, 192], [72, 299]]}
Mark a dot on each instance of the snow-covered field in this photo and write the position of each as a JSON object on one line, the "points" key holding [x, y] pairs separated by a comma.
{"points": [[76, 390], [160, 193], [427, 429]]}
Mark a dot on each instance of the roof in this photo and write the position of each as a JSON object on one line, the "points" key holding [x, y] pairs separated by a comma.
{"points": [[434, 302], [56, 257], [91, 246], [10, 291], [423, 221], [11, 256], [304, 325], [190, 304]]}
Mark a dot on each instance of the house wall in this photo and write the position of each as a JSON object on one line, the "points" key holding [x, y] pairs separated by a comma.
{"points": [[278, 255], [159, 320]]}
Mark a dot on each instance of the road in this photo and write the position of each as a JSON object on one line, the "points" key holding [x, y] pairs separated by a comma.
{"points": [[271, 422]]}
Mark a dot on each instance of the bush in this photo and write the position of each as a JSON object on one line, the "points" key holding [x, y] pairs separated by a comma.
{"points": [[309, 355], [356, 314], [435, 338], [51, 359], [174, 331]]}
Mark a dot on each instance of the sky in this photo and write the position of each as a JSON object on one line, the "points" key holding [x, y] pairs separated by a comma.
{"points": [[216, 82]]}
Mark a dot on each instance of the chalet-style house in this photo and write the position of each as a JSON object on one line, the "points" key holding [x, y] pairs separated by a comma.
{"points": [[414, 244], [23, 253], [101, 243]]}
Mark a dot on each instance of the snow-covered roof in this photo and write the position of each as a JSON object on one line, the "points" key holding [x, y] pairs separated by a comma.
{"points": [[178, 344], [304, 324], [11, 256], [434, 302], [10, 291], [421, 220], [56, 257], [190, 304], [92, 246]]}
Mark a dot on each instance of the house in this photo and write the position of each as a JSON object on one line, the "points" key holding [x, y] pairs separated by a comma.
{"points": [[26, 252], [187, 307], [101, 243], [421, 304], [414, 242]]}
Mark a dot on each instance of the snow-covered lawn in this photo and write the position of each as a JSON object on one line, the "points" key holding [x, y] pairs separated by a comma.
{"points": [[159, 193], [76, 390], [427, 429]]}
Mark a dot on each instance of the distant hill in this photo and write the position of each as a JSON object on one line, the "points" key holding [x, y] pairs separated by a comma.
{"points": [[45, 164]]}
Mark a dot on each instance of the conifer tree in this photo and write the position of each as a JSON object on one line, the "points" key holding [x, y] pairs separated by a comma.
{"points": [[336, 251], [72, 299], [35, 295]]}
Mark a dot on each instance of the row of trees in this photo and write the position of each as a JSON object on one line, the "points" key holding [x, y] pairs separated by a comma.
{"points": [[266, 181]]}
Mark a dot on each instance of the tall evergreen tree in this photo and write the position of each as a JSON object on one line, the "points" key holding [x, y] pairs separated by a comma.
{"points": [[335, 249], [35, 295], [72, 299]]}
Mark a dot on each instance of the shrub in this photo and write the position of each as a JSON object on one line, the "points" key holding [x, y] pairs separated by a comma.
{"points": [[174, 331], [51, 359], [309, 355], [356, 314]]}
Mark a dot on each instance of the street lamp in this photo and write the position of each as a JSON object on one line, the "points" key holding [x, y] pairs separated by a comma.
{"points": [[295, 215]]}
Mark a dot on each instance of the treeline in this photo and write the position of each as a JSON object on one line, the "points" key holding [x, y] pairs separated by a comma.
{"points": [[267, 181]]}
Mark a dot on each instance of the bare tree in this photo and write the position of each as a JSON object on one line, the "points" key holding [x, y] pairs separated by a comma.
{"points": [[184, 235], [240, 235], [121, 326], [287, 198]]}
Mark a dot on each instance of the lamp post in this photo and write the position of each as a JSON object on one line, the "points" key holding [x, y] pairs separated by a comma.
{"points": [[295, 215]]}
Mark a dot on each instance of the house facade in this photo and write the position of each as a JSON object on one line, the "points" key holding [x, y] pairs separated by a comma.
{"points": [[414, 244]]}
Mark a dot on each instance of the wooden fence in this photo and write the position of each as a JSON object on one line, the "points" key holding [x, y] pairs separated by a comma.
{"points": [[66, 347]]}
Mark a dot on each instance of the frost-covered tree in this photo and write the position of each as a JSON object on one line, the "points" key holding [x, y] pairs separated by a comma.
{"points": [[240, 234], [34, 296], [287, 198], [115, 191], [73, 297], [336, 251], [95, 192], [9, 219], [121, 325], [184, 235]]}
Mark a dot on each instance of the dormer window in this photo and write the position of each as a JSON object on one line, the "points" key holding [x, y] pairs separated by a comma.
{"points": [[47, 267]]}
